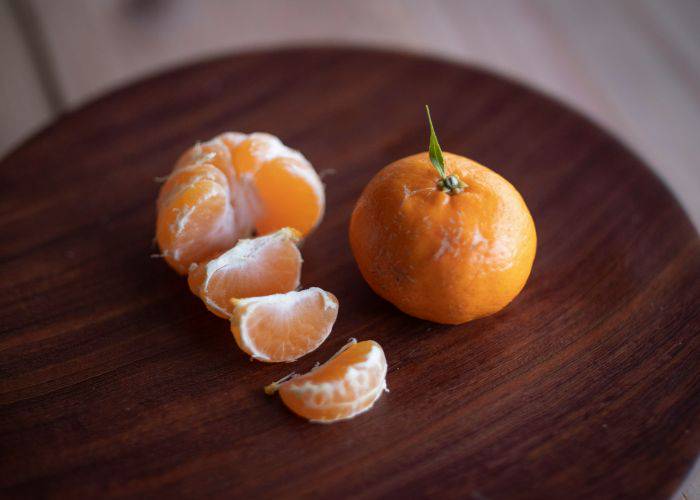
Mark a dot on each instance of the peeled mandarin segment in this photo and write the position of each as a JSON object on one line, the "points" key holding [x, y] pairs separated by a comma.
{"points": [[214, 152], [283, 327], [194, 222], [246, 156], [241, 168], [249, 154], [245, 208], [346, 385], [186, 177], [232, 139], [290, 193], [254, 267]]}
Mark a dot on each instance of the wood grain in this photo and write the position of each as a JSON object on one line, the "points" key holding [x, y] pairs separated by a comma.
{"points": [[115, 381]]}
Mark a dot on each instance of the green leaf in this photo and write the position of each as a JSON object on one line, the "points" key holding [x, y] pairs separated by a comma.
{"points": [[434, 149]]}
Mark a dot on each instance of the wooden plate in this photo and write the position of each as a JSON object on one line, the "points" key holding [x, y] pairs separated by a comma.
{"points": [[116, 381]]}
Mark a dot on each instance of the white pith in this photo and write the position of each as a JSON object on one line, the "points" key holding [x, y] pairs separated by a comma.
{"points": [[284, 305], [212, 174], [184, 216], [218, 231], [212, 305], [360, 406], [273, 148], [244, 251], [235, 138]]}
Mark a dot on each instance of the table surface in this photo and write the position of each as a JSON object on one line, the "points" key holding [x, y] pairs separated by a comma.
{"points": [[117, 381]]}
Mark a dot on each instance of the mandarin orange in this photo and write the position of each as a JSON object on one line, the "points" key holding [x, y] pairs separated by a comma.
{"points": [[230, 187], [442, 237]]}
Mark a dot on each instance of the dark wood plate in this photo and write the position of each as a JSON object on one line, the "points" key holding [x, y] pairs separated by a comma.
{"points": [[114, 379]]}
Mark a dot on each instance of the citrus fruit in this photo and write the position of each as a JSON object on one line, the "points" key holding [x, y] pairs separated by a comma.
{"points": [[257, 266], [442, 237], [285, 326], [343, 387], [230, 187]]}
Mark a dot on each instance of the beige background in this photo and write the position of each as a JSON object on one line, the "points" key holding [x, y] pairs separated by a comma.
{"points": [[631, 65]]}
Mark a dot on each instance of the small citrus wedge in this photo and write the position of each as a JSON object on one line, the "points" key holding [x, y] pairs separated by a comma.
{"points": [[343, 387], [284, 326], [257, 266], [230, 187], [195, 216]]}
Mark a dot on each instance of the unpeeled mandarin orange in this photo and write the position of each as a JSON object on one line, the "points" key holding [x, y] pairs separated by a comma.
{"points": [[442, 237]]}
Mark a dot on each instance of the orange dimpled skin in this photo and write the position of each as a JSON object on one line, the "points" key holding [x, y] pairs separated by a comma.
{"points": [[230, 187], [254, 267], [343, 387], [442, 254]]}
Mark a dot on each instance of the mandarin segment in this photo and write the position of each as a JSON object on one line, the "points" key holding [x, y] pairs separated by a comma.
{"points": [[186, 177], [231, 140], [343, 387], [254, 267], [290, 194], [249, 154], [283, 327], [230, 187], [214, 151], [195, 220]]}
